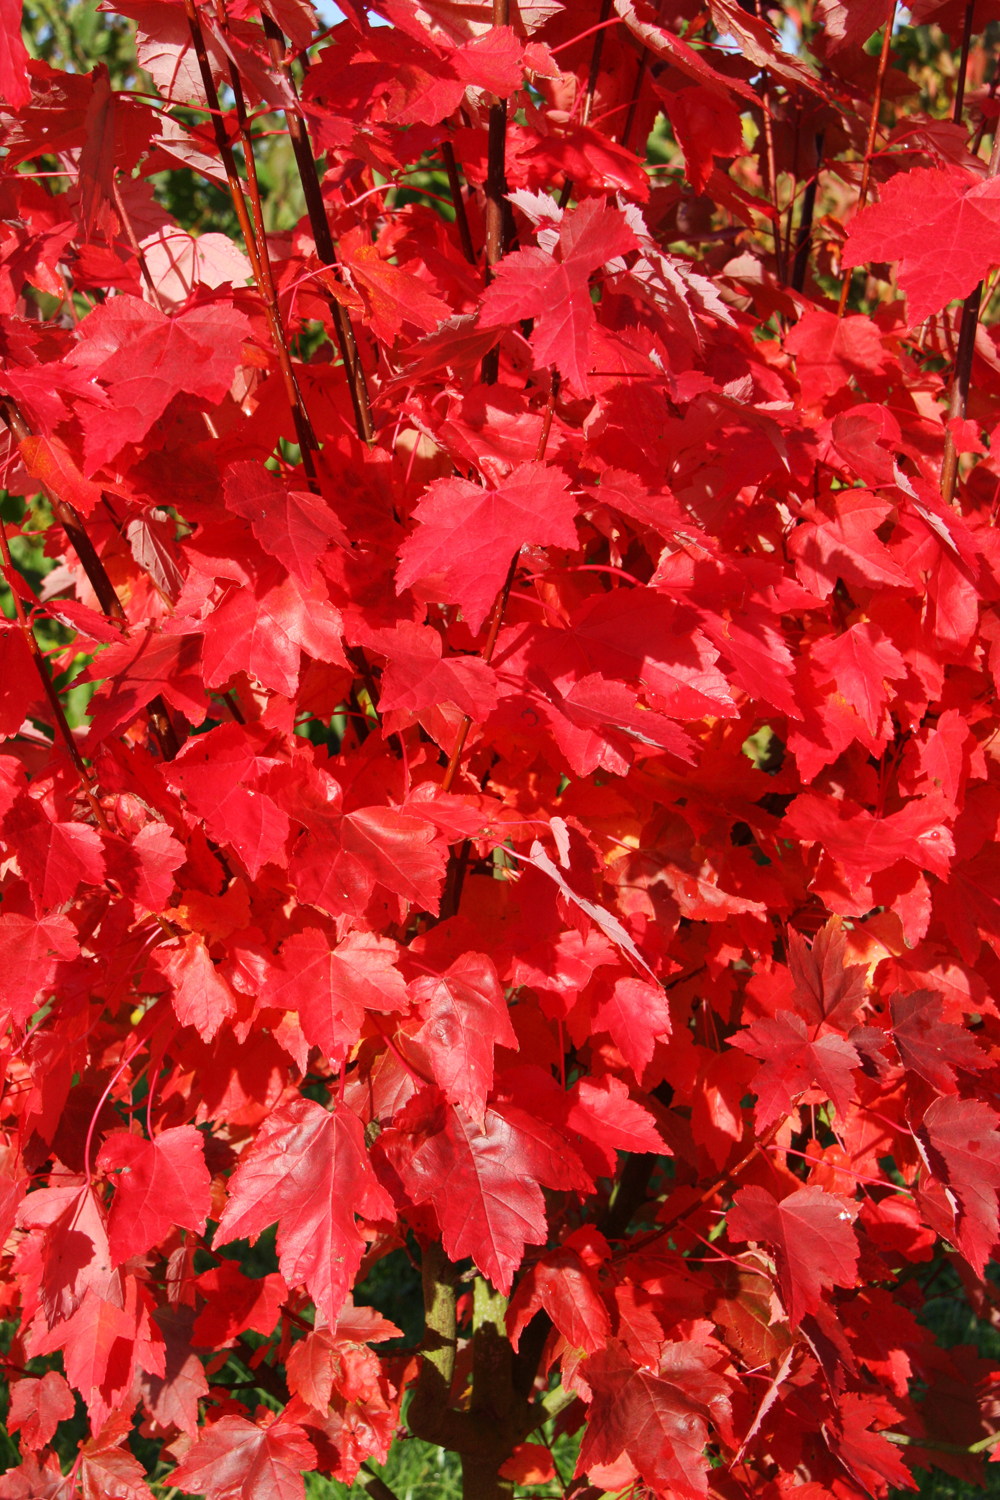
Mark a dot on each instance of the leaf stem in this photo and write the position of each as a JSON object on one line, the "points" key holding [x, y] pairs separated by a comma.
{"points": [[318, 223], [259, 263], [883, 65]]}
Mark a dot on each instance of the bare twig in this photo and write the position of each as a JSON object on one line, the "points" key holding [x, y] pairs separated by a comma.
{"points": [[804, 237], [963, 65], [461, 219], [496, 187]]}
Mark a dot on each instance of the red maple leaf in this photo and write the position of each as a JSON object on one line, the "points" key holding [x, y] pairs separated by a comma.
{"points": [[811, 1234], [292, 525], [308, 1172], [943, 226], [793, 1062], [144, 359], [461, 1017], [484, 1184], [659, 1417], [37, 1407], [827, 991], [964, 1155], [928, 1044], [158, 1183], [554, 288], [566, 1288], [467, 535], [234, 1459], [332, 986], [234, 1303]]}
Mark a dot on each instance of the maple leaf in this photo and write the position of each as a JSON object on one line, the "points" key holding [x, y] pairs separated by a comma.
{"points": [[706, 124], [307, 1171], [78, 1258], [865, 1454], [144, 869], [658, 1417], [376, 844], [158, 1184], [234, 1459], [860, 661], [108, 1468], [265, 629], [172, 1398], [418, 675], [554, 288], [236, 1302], [829, 351], [292, 525], [943, 226], [864, 844], [32, 1480], [793, 1062], [30, 949], [566, 1288], [827, 991], [135, 671], [54, 857], [144, 359], [810, 1231], [462, 1017], [600, 1119], [636, 1014], [484, 1184], [964, 1155], [846, 546], [467, 536], [216, 772], [201, 997], [392, 297], [103, 1344], [928, 1044], [37, 1407], [331, 987]]}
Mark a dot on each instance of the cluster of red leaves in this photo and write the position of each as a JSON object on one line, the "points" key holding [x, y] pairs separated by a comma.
{"points": [[689, 880]]}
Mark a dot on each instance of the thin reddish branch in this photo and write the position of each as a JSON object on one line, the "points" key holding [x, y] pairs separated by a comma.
{"points": [[318, 223], [257, 253], [461, 218], [588, 97], [963, 65], [866, 171], [97, 574], [41, 667], [962, 378]]}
